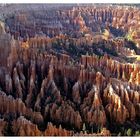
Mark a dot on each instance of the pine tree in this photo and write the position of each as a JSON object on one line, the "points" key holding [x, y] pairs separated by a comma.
{"points": [[84, 128], [129, 132], [137, 133], [8, 130]]}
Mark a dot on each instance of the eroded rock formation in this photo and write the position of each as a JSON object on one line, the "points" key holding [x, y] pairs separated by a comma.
{"points": [[53, 82]]}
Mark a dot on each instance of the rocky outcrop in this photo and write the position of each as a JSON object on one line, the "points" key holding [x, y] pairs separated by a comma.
{"points": [[17, 107], [5, 45], [53, 131], [92, 108], [115, 108], [2, 127], [56, 76], [24, 127]]}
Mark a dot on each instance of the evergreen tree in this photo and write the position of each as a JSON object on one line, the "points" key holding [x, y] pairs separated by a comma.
{"points": [[84, 128], [8, 130], [137, 133], [129, 132]]}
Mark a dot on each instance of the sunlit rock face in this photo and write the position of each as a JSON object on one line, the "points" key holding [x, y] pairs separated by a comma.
{"points": [[67, 77]]}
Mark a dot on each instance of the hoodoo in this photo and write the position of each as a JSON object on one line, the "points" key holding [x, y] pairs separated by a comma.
{"points": [[69, 70]]}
